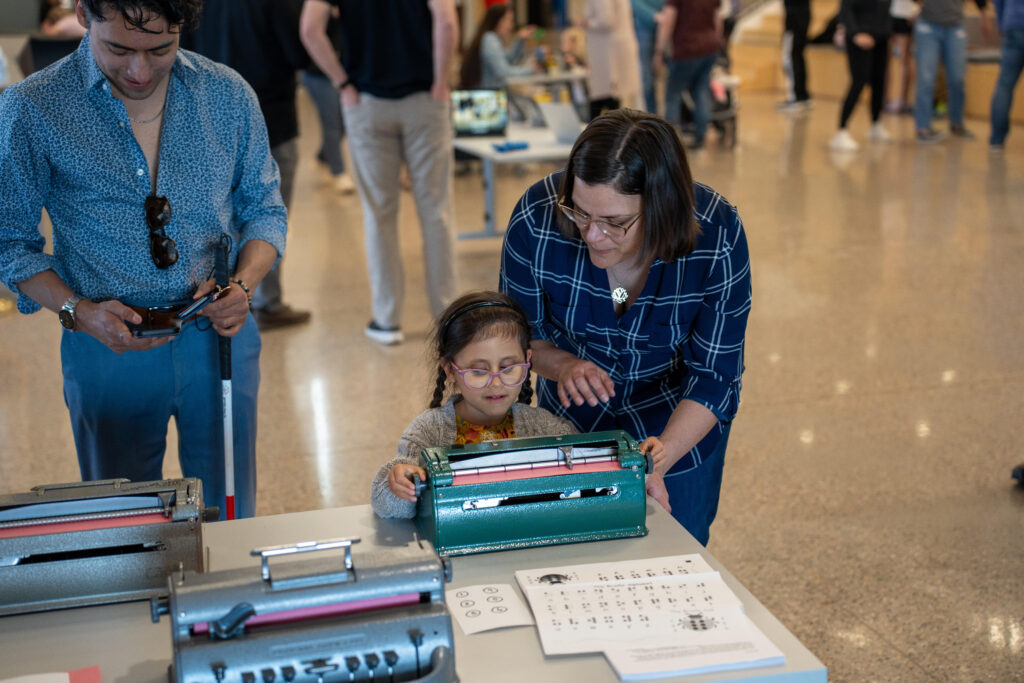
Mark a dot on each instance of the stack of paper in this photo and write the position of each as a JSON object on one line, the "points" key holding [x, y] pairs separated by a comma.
{"points": [[656, 617]]}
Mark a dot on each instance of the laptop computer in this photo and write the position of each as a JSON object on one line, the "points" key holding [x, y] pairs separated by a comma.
{"points": [[479, 112], [562, 120]]}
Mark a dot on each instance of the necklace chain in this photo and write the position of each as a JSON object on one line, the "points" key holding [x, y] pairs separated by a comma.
{"points": [[140, 122]]}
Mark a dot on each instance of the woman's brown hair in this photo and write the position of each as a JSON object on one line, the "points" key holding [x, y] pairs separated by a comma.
{"points": [[636, 153], [472, 69]]}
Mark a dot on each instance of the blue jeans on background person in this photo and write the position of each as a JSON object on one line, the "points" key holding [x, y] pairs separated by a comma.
{"points": [[1011, 63], [694, 494], [328, 108], [932, 42], [694, 76], [120, 405], [645, 36]]}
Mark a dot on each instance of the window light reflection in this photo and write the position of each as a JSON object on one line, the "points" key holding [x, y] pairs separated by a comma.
{"points": [[322, 432]]}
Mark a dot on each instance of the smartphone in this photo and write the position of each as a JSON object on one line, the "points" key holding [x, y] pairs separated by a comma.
{"points": [[199, 304], [167, 327], [144, 330], [195, 306]]}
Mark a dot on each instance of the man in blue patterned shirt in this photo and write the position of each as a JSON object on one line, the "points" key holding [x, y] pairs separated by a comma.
{"points": [[636, 282], [142, 156]]}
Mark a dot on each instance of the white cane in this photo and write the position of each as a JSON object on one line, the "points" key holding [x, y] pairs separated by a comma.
{"points": [[221, 277]]}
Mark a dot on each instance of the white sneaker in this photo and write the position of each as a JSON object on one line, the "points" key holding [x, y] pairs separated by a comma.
{"points": [[843, 142], [344, 184], [879, 133], [384, 335], [793, 106]]}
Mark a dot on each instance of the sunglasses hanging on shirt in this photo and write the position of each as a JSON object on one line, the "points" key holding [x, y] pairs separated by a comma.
{"points": [[161, 247]]}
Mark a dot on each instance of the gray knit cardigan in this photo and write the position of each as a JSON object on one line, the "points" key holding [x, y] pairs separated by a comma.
{"points": [[437, 427]]}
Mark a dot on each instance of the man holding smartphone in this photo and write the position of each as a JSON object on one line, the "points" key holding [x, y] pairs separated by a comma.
{"points": [[85, 140]]}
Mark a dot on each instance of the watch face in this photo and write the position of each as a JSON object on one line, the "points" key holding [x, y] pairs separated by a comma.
{"points": [[67, 318]]}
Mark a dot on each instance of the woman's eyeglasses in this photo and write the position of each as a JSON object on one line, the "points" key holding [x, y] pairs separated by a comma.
{"points": [[161, 247], [510, 375], [615, 231]]}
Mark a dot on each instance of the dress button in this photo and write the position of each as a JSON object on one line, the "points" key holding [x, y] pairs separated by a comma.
{"points": [[139, 172], [121, 123]]}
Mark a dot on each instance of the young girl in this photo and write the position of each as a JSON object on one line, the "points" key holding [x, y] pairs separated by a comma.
{"points": [[481, 345]]}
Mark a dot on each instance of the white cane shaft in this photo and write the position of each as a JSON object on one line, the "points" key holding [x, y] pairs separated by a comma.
{"points": [[229, 439]]}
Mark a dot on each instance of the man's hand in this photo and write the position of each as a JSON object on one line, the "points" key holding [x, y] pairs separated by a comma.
{"points": [[658, 61], [440, 92], [400, 480], [105, 321], [228, 312], [864, 41], [656, 490], [582, 381], [349, 96]]}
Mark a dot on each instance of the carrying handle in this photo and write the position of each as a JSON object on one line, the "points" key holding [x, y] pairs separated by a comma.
{"points": [[43, 488], [304, 547]]}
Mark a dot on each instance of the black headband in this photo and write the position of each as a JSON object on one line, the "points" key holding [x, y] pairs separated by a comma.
{"points": [[470, 307]]}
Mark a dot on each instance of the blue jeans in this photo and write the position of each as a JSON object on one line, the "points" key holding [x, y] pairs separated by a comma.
{"points": [[332, 126], [120, 405], [1011, 63], [645, 36], [693, 494], [694, 76], [932, 41]]}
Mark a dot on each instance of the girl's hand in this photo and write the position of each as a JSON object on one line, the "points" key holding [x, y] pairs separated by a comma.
{"points": [[656, 448], [656, 490], [581, 381], [400, 480]]}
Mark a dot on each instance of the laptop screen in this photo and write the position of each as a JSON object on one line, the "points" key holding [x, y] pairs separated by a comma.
{"points": [[479, 112]]}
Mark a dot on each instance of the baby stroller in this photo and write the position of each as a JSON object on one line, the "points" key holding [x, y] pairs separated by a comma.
{"points": [[723, 106]]}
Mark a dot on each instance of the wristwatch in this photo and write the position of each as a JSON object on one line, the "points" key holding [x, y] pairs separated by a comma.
{"points": [[66, 314]]}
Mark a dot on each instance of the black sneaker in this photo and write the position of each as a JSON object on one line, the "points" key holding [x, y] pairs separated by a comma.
{"points": [[961, 132], [384, 335], [929, 136]]}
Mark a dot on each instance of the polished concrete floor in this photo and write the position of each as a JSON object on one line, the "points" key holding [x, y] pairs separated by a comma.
{"points": [[867, 497]]}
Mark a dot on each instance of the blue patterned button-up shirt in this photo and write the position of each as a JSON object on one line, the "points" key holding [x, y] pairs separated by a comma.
{"points": [[681, 339], [66, 145]]}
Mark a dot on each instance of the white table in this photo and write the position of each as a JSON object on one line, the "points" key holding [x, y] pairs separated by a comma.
{"points": [[129, 648], [542, 147]]}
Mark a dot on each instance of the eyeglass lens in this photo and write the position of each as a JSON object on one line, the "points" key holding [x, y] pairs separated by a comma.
{"points": [[511, 376], [582, 221], [162, 248]]}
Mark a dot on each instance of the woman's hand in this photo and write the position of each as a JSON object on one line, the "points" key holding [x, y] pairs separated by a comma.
{"points": [[400, 480], [526, 32], [656, 449], [656, 490], [582, 381]]}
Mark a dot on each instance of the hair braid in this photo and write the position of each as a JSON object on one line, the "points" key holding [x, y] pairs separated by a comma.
{"points": [[439, 388], [526, 393]]}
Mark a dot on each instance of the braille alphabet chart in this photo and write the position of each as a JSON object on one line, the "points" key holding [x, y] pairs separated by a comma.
{"points": [[586, 608]]}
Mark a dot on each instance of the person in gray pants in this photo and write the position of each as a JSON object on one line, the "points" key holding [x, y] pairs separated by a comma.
{"points": [[392, 79]]}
